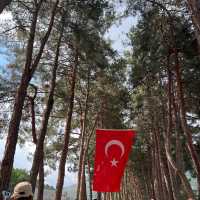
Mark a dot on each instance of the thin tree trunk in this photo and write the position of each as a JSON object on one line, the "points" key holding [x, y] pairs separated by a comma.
{"points": [[81, 153], [154, 179], [169, 179], [146, 181], [33, 121], [41, 180], [3, 4], [80, 191], [61, 169], [49, 105], [85, 152], [32, 108], [178, 148], [166, 182], [153, 175], [177, 121], [98, 195], [34, 136], [158, 168], [83, 185], [169, 129], [8, 158], [90, 179], [182, 176], [137, 187], [160, 164]]}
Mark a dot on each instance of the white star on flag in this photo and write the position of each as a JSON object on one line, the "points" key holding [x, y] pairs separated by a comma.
{"points": [[114, 162]]}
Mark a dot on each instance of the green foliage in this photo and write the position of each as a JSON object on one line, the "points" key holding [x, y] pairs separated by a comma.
{"points": [[18, 175]]}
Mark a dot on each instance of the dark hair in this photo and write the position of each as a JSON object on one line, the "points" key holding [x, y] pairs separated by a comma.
{"points": [[24, 198]]}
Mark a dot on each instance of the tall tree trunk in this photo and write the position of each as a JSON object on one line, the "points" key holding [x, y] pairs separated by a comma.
{"points": [[83, 191], [8, 158], [169, 129], [153, 175], [159, 185], [178, 147], [90, 179], [166, 182], [3, 4], [34, 136], [32, 108], [61, 169], [82, 181], [85, 153], [82, 157], [42, 133], [136, 186], [99, 195], [169, 179], [177, 122]]}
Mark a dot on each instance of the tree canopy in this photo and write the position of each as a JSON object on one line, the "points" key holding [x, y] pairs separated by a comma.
{"points": [[65, 80]]}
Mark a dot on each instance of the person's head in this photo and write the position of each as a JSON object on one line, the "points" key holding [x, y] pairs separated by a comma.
{"points": [[22, 191]]}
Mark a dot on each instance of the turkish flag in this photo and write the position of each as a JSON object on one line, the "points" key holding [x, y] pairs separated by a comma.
{"points": [[112, 151]]}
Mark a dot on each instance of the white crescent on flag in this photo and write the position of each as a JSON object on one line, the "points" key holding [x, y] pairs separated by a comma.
{"points": [[114, 142]]}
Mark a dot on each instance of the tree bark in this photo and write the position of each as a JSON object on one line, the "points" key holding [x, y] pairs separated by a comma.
{"points": [[169, 128], [90, 179], [32, 108], [153, 173], [99, 195], [3, 4], [83, 191], [61, 169], [161, 164], [160, 191], [169, 179], [179, 160], [41, 180], [81, 172], [49, 105], [34, 136], [85, 153]]}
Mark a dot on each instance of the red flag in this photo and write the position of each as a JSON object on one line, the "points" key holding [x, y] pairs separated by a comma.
{"points": [[112, 151]]}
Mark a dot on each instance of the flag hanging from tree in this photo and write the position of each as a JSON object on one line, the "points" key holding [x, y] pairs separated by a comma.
{"points": [[112, 151]]}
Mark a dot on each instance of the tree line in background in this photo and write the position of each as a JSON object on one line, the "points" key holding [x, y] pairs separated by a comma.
{"points": [[66, 80]]}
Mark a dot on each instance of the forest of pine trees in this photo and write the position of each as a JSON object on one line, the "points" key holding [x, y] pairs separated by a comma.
{"points": [[64, 80]]}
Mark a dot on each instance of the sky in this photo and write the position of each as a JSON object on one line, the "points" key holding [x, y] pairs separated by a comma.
{"points": [[117, 34]]}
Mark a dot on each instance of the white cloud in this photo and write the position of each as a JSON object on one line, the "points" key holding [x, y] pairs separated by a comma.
{"points": [[5, 15]]}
